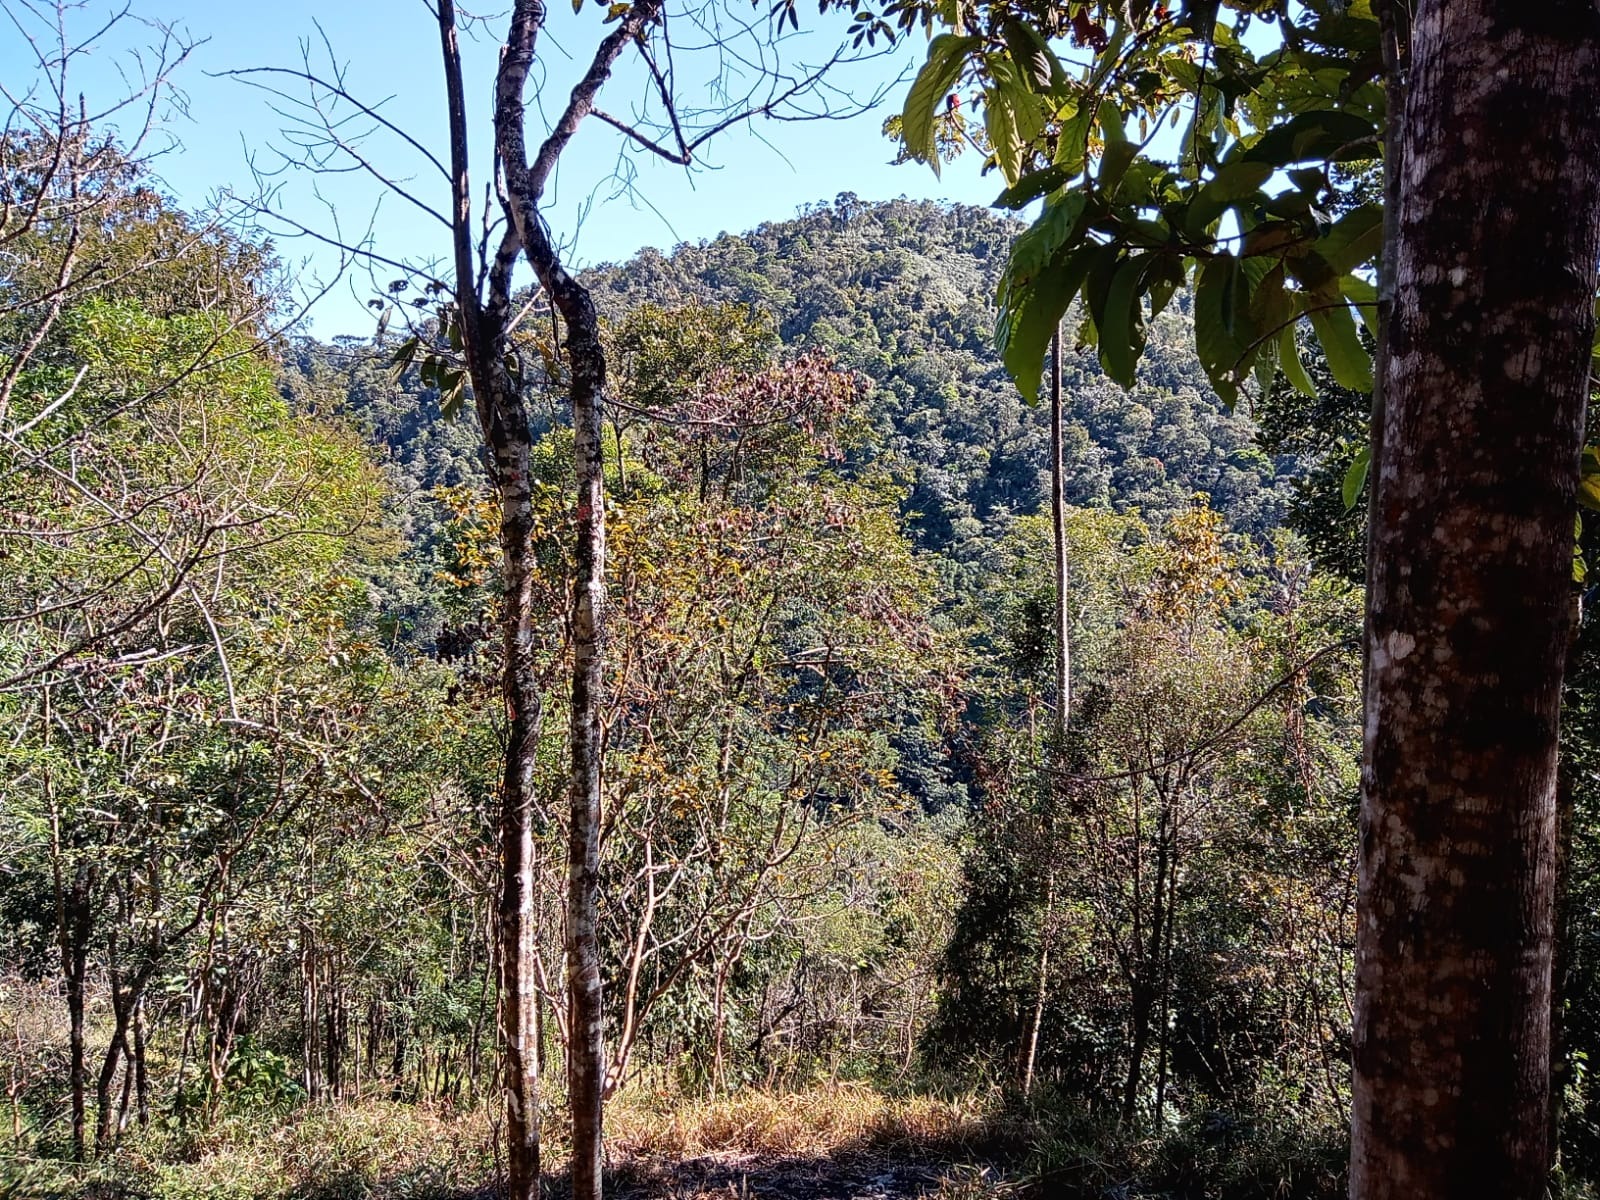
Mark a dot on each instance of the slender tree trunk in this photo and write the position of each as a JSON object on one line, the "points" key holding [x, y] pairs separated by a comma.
{"points": [[506, 431], [1058, 519], [1030, 1057], [585, 359], [1483, 382], [141, 1079], [1063, 630], [1140, 1043], [503, 422], [76, 925], [586, 1057]]}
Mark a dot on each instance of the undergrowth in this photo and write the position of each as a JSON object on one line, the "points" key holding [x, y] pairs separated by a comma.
{"points": [[972, 1147]]}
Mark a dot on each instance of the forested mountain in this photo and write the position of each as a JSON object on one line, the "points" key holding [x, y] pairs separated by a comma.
{"points": [[901, 292]]}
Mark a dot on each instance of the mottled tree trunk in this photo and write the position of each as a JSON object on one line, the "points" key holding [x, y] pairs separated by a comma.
{"points": [[1483, 382], [585, 358], [586, 1015], [483, 307]]}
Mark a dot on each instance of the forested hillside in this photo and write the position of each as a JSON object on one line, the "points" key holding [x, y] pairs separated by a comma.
{"points": [[901, 292]]}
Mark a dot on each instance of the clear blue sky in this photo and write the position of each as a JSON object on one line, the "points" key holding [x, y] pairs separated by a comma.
{"points": [[390, 51]]}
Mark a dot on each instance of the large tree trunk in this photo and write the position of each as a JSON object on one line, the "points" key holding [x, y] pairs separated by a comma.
{"points": [[1483, 381]]}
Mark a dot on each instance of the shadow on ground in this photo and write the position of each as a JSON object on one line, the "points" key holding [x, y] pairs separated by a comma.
{"points": [[845, 1175]]}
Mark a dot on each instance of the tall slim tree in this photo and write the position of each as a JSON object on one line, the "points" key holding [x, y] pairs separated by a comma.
{"points": [[1484, 380], [474, 346]]}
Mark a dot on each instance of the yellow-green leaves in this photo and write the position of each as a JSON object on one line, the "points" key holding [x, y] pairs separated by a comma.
{"points": [[1347, 358], [1355, 479], [947, 58]]}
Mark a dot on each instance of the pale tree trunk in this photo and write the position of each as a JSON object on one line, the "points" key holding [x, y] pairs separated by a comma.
{"points": [[1058, 519], [1483, 381], [585, 359], [503, 421]]}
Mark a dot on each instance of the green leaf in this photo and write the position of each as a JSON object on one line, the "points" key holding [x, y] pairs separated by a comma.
{"points": [[1037, 64], [1361, 293], [1289, 361], [1037, 245], [1029, 314], [1347, 359], [946, 59], [1000, 123], [1119, 152], [1355, 239], [1121, 322], [1356, 477], [1218, 297], [1326, 135], [1033, 185], [1233, 182], [1589, 478]]}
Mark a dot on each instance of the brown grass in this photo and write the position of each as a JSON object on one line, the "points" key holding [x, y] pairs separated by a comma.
{"points": [[659, 1144], [813, 1123]]}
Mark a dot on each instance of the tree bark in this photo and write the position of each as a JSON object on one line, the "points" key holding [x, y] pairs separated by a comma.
{"points": [[1063, 630], [586, 360], [75, 925], [1483, 381], [503, 421], [1058, 520]]}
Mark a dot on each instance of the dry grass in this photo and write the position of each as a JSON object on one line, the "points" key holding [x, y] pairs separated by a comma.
{"points": [[660, 1145], [371, 1150], [815, 1123]]}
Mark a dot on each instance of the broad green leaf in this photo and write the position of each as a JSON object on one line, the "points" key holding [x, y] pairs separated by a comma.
{"points": [[1218, 297], [1029, 314], [1355, 239], [947, 56], [1364, 296], [1121, 322], [1233, 182], [1356, 477], [1289, 362], [1347, 359], [1000, 123], [1037, 64], [1039, 242], [1033, 185], [1071, 142], [1326, 135]]}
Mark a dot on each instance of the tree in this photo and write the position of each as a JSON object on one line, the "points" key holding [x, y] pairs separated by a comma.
{"points": [[1469, 609], [474, 345], [1449, 654]]}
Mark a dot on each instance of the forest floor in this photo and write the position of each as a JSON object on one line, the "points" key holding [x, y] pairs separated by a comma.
{"points": [[830, 1142], [849, 1175], [833, 1143]]}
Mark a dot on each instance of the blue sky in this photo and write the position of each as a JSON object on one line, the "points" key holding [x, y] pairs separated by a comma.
{"points": [[389, 52]]}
